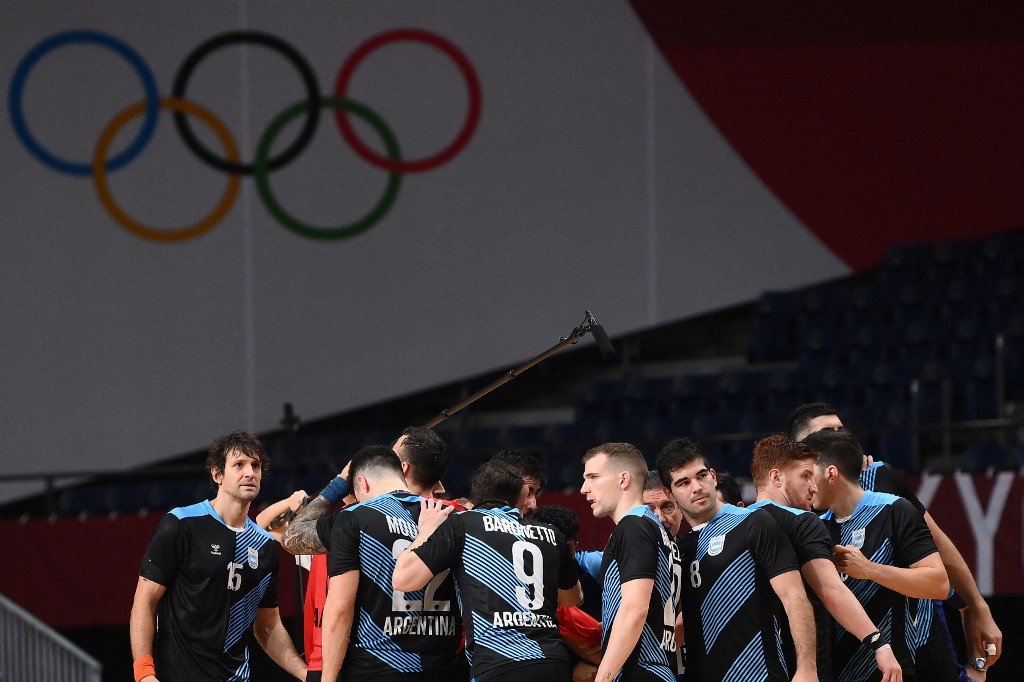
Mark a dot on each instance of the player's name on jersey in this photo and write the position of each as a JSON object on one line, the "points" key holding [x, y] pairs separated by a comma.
{"points": [[522, 619], [442, 626], [508, 526], [402, 527]]}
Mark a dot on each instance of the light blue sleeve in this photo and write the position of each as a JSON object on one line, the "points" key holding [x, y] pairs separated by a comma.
{"points": [[590, 562]]}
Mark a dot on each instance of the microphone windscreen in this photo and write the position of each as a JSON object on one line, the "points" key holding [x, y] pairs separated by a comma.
{"points": [[603, 343]]}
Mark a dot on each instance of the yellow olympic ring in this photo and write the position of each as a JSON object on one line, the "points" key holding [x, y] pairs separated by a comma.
{"points": [[99, 171]]}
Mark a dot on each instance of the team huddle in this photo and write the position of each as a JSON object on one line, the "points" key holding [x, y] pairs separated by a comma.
{"points": [[404, 585]]}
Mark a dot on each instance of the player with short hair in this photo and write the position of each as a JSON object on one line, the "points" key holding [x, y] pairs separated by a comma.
{"points": [[370, 630], [736, 561], [640, 568], [783, 474], [208, 581], [883, 548], [662, 504], [729, 491], [981, 633], [511, 575], [534, 473]]}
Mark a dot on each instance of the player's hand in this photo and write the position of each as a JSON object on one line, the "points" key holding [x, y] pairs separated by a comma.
{"points": [[980, 630], [584, 672], [974, 675], [432, 514], [149, 678], [866, 461], [850, 561], [297, 499], [887, 663], [344, 470]]}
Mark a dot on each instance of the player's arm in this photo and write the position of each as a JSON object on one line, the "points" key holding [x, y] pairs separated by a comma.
{"points": [[142, 625], [980, 628], [301, 536], [790, 589], [276, 641], [824, 580], [570, 592], [923, 579], [627, 627], [339, 612], [774, 554], [571, 597], [275, 517], [414, 569], [410, 573]]}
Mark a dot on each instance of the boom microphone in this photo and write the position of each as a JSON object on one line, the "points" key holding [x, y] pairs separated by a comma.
{"points": [[602, 341], [589, 325]]}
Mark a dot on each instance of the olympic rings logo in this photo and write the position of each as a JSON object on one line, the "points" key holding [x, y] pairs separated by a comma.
{"points": [[230, 160]]}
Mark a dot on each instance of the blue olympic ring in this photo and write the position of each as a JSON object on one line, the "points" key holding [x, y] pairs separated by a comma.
{"points": [[103, 40]]}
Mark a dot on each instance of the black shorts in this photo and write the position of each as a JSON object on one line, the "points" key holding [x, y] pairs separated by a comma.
{"points": [[936, 660], [556, 671], [432, 676]]}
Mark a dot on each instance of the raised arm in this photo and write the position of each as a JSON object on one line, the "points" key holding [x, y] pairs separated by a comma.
{"points": [[275, 517], [301, 537], [411, 573], [790, 589]]}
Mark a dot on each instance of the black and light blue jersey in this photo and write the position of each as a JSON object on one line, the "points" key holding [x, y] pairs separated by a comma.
{"points": [[730, 610], [216, 579], [640, 547], [811, 540], [888, 530], [508, 571], [883, 478], [392, 631]]}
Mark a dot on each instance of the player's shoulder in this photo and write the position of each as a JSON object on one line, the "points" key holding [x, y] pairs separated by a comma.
{"points": [[405, 505], [779, 511], [253, 527], [638, 524], [192, 511], [549, 529], [877, 499]]}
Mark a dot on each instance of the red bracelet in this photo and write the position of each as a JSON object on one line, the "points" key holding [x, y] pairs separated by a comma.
{"points": [[144, 667]]}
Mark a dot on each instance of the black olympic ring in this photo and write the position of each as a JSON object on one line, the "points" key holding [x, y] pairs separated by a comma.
{"points": [[274, 43]]}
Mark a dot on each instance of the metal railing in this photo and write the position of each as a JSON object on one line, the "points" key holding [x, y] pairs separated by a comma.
{"points": [[31, 651]]}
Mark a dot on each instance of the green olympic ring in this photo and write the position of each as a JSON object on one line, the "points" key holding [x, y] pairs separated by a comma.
{"points": [[311, 231]]}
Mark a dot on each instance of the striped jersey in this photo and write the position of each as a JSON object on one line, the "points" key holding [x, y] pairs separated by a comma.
{"points": [[811, 540], [888, 530], [881, 477], [730, 610], [640, 547], [508, 571], [392, 631], [216, 578]]}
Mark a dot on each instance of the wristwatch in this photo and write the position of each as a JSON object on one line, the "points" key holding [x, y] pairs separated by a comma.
{"points": [[978, 664]]}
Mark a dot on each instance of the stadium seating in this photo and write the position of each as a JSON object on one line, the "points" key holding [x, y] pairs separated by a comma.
{"points": [[927, 317]]}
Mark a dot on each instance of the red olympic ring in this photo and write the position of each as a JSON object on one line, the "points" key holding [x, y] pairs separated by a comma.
{"points": [[412, 165]]}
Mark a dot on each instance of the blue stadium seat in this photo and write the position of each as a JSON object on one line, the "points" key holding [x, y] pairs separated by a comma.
{"points": [[983, 457]]}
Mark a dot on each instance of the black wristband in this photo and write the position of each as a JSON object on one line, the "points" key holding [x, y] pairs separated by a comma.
{"points": [[874, 641]]}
